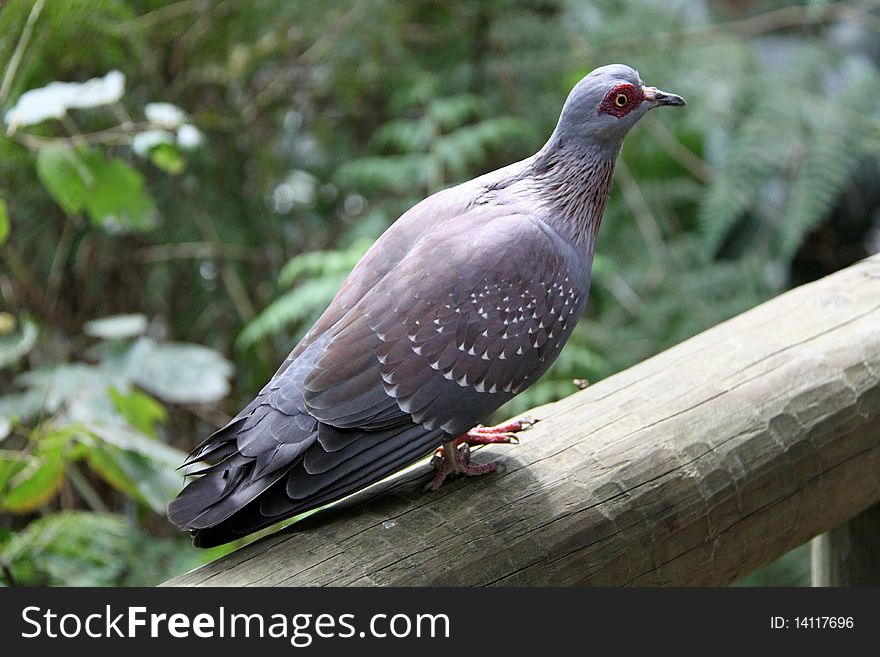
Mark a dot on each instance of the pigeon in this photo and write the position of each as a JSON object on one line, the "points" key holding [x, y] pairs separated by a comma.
{"points": [[465, 301]]}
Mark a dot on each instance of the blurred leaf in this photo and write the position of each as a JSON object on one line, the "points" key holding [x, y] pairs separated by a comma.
{"points": [[116, 327], [11, 463], [4, 222], [60, 385], [454, 111], [168, 158], [323, 271], [118, 201], [322, 263], [140, 410], [128, 439], [82, 548], [136, 464], [34, 485], [180, 373], [394, 173], [299, 306], [22, 406], [405, 135], [99, 458], [72, 548], [109, 190], [136, 476], [64, 176], [16, 345]]}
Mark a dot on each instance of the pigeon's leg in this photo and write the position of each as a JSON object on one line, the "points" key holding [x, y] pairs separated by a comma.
{"points": [[454, 456]]}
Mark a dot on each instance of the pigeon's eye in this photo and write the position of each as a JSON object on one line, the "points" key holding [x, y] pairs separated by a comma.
{"points": [[621, 100]]}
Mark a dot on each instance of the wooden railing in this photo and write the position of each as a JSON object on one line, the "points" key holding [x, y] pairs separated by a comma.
{"points": [[695, 467]]}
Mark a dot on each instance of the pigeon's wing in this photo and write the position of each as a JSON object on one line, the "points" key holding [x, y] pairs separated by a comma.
{"points": [[468, 318]]}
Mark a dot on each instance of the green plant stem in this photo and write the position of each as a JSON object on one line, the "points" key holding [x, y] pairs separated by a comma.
{"points": [[231, 280], [85, 490], [20, 47], [166, 13], [7, 573], [62, 252], [33, 292], [196, 251], [116, 136], [645, 219], [695, 165]]}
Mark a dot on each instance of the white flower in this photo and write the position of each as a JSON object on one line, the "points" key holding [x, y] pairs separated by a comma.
{"points": [[164, 114], [99, 91], [56, 98], [144, 142], [189, 136]]}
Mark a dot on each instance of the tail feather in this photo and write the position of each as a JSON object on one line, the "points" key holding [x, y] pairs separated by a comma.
{"points": [[243, 492], [274, 504]]}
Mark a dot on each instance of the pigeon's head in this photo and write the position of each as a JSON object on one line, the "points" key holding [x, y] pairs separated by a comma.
{"points": [[605, 104]]}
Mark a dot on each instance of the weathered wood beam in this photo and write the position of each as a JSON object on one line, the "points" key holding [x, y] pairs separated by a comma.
{"points": [[694, 467]]}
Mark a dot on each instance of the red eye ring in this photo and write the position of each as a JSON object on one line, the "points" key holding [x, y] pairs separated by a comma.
{"points": [[621, 100]]}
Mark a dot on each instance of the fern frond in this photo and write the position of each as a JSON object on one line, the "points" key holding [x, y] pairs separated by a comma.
{"points": [[323, 263], [394, 173], [300, 306]]}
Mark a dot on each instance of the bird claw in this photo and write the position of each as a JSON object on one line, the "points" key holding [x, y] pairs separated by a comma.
{"points": [[488, 438], [455, 459], [500, 433], [454, 456]]}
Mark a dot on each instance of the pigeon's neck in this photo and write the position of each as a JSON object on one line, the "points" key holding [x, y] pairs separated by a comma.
{"points": [[573, 181]]}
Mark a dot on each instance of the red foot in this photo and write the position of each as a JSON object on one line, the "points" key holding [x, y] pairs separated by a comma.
{"points": [[451, 459], [454, 456], [500, 433]]}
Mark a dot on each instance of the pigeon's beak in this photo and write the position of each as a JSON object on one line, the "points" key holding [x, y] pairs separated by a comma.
{"points": [[656, 97]]}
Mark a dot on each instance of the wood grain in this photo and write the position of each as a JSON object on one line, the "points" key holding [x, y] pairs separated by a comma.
{"points": [[694, 467]]}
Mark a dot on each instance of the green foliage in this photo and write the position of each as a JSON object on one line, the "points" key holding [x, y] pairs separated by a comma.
{"points": [[791, 570], [81, 548], [15, 344], [110, 191], [139, 410], [448, 139], [168, 158], [179, 373], [318, 276], [789, 157], [72, 549], [4, 222], [92, 414], [32, 480]]}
